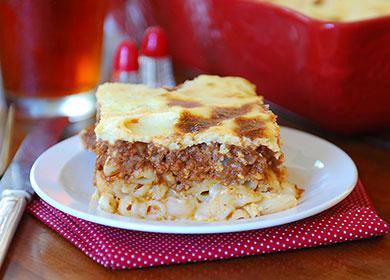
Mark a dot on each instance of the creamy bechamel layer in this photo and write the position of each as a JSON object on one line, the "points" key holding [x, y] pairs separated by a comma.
{"points": [[337, 10], [208, 109]]}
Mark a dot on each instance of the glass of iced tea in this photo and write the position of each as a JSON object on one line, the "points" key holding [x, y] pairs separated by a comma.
{"points": [[50, 55]]}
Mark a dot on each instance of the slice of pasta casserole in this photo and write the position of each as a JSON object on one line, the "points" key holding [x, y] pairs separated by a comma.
{"points": [[207, 150]]}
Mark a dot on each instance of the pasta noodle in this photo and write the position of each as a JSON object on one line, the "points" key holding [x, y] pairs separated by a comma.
{"points": [[206, 201]]}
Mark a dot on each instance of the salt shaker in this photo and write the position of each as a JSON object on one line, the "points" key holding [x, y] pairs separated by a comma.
{"points": [[125, 64], [155, 63]]}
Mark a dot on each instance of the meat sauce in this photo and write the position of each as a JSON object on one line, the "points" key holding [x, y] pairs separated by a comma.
{"points": [[194, 163]]}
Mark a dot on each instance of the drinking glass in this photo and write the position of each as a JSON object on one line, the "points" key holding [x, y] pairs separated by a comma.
{"points": [[50, 55]]}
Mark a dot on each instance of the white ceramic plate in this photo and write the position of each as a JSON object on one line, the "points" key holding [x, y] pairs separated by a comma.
{"points": [[62, 176]]}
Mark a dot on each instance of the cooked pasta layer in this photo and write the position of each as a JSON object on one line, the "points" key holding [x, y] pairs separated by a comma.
{"points": [[203, 201]]}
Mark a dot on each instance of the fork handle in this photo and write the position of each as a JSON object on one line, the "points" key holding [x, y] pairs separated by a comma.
{"points": [[12, 206]]}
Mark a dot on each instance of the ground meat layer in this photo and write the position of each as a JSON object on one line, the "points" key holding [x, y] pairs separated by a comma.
{"points": [[88, 138], [196, 163]]}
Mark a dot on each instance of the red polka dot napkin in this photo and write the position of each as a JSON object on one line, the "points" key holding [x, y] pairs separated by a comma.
{"points": [[351, 219]]}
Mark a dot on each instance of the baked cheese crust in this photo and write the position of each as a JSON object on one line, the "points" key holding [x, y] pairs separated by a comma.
{"points": [[208, 109]]}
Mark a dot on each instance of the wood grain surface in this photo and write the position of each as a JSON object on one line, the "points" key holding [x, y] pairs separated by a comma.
{"points": [[39, 253]]}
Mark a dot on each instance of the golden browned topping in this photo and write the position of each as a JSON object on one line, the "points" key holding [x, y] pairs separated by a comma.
{"points": [[190, 123], [199, 111], [250, 127], [224, 113]]}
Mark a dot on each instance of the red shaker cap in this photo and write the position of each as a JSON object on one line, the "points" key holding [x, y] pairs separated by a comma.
{"points": [[154, 43], [126, 57]]}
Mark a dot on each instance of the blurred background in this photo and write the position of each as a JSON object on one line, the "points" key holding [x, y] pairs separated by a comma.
{"points": [[326, 62]]}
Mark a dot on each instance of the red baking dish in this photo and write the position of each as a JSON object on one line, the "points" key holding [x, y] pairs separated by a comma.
{"points": [[333, 73]]}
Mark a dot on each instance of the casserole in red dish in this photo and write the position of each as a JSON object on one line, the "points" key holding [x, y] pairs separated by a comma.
{"points": [[336, 74]]}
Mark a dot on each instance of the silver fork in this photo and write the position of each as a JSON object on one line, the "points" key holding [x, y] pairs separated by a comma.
{"points": [[6, 123]]}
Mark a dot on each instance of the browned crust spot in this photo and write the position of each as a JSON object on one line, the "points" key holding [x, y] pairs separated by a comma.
{"points": [[224, 113], [184, 103], [190, 123], [250, 127], [130, 122]]}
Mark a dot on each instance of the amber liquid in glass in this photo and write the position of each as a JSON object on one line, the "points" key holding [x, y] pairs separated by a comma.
{"points": [[50, 49]]}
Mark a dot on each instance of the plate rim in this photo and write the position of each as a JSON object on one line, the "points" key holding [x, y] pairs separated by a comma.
{"points": [[197, 227]]}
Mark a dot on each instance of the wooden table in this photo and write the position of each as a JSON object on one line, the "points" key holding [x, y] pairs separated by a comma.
{"points": [[39, 253]]}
